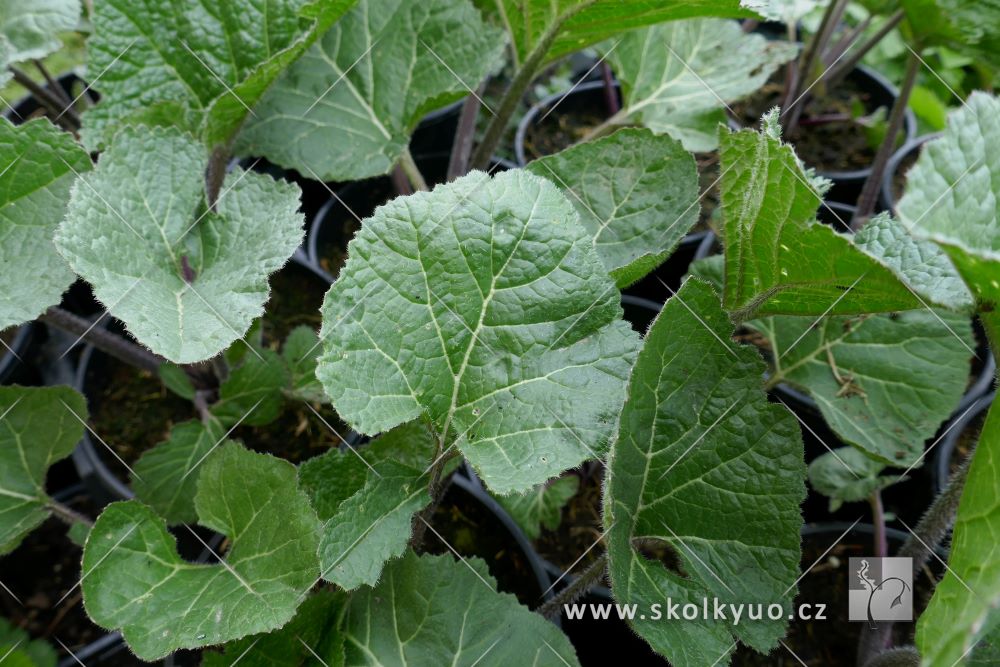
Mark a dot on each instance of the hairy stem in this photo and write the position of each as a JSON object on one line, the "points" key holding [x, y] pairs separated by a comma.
{"points": [[575, 590], [411, 170], [610, 92], [929, 532], [869, 193], [111, 344], [842, 68], [904, 656], [465, 137], [69, 515], [65, 116], [835, 52], [878, 521], [436, 490]]}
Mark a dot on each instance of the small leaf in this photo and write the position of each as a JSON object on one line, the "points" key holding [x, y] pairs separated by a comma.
{"points": [[34, 653], [166, 603], [434, 610], [40, 164], [141, 207], [28, 30], [482, 305], [176, 380], [846, 475], [636, 194], [167, 474], [38, 426], [955, 619], [541, 506], [675, 74], [786, 11], [425, 54], [706, 467], [253, 393], [78, 533], [301, 352]]}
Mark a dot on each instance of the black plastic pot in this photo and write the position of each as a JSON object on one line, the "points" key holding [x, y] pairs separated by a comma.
{"points": [[898, 164], [941, 470], [339, 218], [12, 359]]}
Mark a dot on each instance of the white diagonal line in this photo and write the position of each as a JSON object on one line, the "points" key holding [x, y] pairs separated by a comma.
{"points": [[936, 75], [223, 563], [106, 312], [724, 654], [96, 565], [794, 655], [939, 559], [480, 658], [600, 299], [229, 326], [221, 440], [574, 563], [10, 350], [462, 322], [327, 424], [233, 663], [697, 558], [955, 422], [967, 651], [464, 198], [217, 77], [341, 77], [938, 318], [96, 79], [340, 319], [581, 80], [11, 593], [700, 80], [820, 77], [100, 439], [18, 643], [332, 193], [821, 441], [12, 163], [575, 196], [673, 294], [217, 200], [66, 648], [464, 85], [12, 109], [456, 440], [822, 556], [309, 648], [101, 197], [695, 443], [460, 556], [556, 653], [942, 195], [825, 313], [12, 406]]}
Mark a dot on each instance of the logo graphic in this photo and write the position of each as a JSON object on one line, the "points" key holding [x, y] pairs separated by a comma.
{"points": [[881, 589]]}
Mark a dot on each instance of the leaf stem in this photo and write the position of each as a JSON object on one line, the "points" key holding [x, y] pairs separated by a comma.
{"points": [[878, 521], [105, 341], [215, 174], [465, 137], [409, 167], [610, 92], [869, 193], [54, 87], [807, 62], [841, 69], [577, 589], [69, 515], [65, 117]]}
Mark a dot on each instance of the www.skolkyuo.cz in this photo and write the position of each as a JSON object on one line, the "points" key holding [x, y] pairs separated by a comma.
{"points": [[710, 609]]}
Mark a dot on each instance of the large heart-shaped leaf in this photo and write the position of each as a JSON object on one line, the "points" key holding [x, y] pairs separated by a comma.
{"points": [[675, 74], [964, 606], [165, 603], [434, 610], [366, 84], [38, 426], [199, 66], [185, 280], [779, 260], [706, 467], [484, 306], [28, 29], [636, 194], [39, 164], [952, 197]]}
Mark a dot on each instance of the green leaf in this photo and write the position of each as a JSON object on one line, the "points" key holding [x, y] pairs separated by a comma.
{"points": [[675, 74], [132, 222], [433, 610], [956, 619], [176, 380], [372, 526], [483, 306], [636, 194], [166, 603], [78, 533], [575, 24], [779, 260], [846, 475], [301, 353], [952, 194], [28, 30], [33, 653], [199, 67], [39, 163], [541, 506], [167, 475], [424, 54], [312, 633], [884, 383], [707, 468], [786, 11], [253, 393], [332, 478], [38, 426]]}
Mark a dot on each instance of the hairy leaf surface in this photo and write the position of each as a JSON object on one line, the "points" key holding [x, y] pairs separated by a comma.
{"points": [[345, 110], [541, 506], [636, 194], [187, 282], [38, 426], [434, 610], [300, 353], [253, 394], [847, 475], [40, 163], [202, 66], [706, 466], [138, 584], [483, 306], [675, 74]]}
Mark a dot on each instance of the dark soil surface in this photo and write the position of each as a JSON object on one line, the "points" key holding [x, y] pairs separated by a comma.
{"points": [[709, 190], [472, 529], [562, 128], [296, 296], [842, 145], [580, 528]]}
